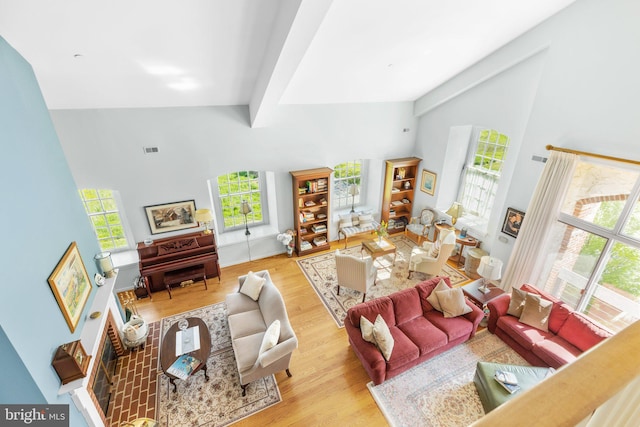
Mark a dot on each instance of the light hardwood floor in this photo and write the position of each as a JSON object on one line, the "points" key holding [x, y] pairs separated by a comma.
{"points": [[329, 385]]}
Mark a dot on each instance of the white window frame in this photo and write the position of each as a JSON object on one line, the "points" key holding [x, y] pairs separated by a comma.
{"points": [[115, 196], [248, 195], [339, 201], [479, 185]]}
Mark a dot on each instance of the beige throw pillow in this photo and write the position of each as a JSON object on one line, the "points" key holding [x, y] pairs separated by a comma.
{"points": [[453, 303], [517, 302], [252, 285], [271, 337], [536, 312], [366, 327], [383, 337], [433, 297]]}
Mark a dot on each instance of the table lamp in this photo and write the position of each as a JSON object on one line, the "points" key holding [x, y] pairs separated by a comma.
{"points": [[204, 216], [245, 209], [455, 211], [490, 269], [353, 192]]}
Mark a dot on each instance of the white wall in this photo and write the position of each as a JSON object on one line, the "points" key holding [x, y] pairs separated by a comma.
{"points": [[104, 150], [577, 89]]}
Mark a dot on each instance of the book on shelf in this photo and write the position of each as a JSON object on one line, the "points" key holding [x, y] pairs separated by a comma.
{"points": [[320, 240], [507, 380], [309, 203], [304, 245], [183, 366], [319, 228]]}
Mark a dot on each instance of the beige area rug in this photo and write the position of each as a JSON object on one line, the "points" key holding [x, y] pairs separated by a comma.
{"points": [[320, 270], [219, 401], [440, 392]]}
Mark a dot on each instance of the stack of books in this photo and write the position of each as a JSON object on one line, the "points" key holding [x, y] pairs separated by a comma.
{"points": [[304, 245], [508, 380], [319, 228], [183, 366]]}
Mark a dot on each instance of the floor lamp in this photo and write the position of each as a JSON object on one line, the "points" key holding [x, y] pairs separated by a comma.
{"points": [[353, 192], [245, 209]]}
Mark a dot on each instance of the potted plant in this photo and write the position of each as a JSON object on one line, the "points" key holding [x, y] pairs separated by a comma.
{"points": [[287, 239]]}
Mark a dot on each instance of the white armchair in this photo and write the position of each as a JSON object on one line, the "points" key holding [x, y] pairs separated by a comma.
{"points": [[421, 225], [355, 273], [422, 258]]}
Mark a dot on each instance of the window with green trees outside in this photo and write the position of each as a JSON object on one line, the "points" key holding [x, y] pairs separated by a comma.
{"points": [[232, 189], [105, 218]]}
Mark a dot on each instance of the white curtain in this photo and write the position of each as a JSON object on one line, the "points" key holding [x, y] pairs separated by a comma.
{"points": [[539, 218]]}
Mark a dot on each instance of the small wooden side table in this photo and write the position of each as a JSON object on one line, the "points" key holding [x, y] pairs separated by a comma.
{"points": [[379, 247], [479, 298], [463, 241]]}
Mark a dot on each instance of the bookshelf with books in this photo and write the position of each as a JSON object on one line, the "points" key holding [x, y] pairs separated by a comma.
{"points": [[311, 200], [399, 191]]}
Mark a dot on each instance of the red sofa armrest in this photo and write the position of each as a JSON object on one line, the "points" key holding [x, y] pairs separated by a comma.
{"points": [[497, 308], [475, 316]]}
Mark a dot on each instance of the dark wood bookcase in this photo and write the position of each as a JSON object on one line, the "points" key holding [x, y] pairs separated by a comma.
{"points": [[311, 201]]}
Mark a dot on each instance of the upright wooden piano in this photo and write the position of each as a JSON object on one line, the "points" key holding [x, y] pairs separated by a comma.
{"points": [[173, 260]]}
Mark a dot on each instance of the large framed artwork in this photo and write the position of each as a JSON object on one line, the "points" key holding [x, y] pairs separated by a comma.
{"points": [[428, 184], [171, 216], [71, 285], [512, 222]]}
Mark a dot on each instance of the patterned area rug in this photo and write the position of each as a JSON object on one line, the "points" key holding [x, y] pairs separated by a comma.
{"points": [[219, 401], [440, 392], [320, 270]]}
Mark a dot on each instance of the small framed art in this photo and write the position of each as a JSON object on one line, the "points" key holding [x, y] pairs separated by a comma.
{"points": [[171, 216], [428, 183], [71, 285], [512, 222]]}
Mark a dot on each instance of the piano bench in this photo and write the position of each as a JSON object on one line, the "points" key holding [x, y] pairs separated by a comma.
{"points": [[189, 273]]}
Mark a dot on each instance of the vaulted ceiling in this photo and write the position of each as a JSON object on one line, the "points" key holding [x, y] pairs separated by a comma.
{"points": [[162, 53]]}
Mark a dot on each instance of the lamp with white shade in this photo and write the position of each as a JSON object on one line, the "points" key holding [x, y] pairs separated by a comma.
{"points": [[245, 209], [204, 216], [490, 269], [353, 192]]}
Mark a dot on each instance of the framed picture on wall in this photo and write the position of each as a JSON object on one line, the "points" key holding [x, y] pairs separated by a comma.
{"points": [[71, 285], [428, 183], [512, 222], [171, 216]]}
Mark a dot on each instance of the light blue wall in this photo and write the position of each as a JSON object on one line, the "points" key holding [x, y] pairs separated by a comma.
{"points": [[23, 388], [41, 215]]}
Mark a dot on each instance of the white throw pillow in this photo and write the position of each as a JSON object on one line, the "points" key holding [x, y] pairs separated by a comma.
{"points": [[252, 285], [271, 337], [366, 327], [383, 337], [453, 303], [345, 221], [365, 220], [433, 297]]}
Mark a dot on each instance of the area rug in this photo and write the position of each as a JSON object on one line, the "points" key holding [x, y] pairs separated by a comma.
{"points": [[219, 401], [440, 391], [320, 271]]}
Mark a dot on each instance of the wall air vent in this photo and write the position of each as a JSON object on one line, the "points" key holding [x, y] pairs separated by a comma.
{"points": [[150, 150]]}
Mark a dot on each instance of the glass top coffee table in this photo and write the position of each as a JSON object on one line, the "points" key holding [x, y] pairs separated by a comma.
{"points": [[168, 349], [379, 247]]}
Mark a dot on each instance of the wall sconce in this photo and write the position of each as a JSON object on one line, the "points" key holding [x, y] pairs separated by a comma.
{"points": [[490, 269], [204, 216], [455, 212], [353, 192]]}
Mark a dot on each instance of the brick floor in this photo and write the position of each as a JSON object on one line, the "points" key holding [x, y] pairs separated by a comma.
{"points": [[134, 394]]}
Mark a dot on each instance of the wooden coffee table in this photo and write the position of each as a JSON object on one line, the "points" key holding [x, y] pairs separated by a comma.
{"points": [[168, 349], [377, 248], [479, 298]]}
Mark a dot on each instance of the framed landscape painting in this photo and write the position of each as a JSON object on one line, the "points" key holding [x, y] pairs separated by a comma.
{"points": [[428, 184], [171, 216], [71, 285], [512, 222]]}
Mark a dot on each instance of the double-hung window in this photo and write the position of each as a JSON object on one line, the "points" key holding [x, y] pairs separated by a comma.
{"points": [[593, 254], [231, 190], [347, 180], [481, 174], [106, 219]]}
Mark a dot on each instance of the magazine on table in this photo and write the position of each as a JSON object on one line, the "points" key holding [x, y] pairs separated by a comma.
{"points": [[508, 380], [188, 341], [183, 366]]}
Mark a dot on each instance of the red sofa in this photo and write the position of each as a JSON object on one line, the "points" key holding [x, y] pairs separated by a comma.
{"points": [[419, 331], [570, 333]]}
